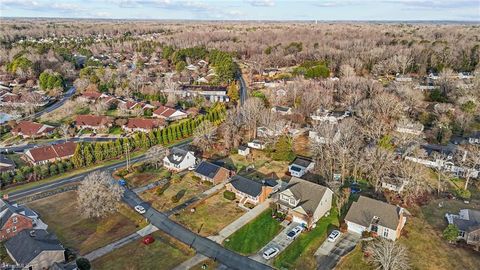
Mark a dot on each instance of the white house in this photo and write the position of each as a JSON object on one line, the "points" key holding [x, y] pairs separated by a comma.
{"points": [[410, 128], [282, 110], [179, 159], [257, 144], [332, 117], [243, 150], [383, 219], [300, 166]]}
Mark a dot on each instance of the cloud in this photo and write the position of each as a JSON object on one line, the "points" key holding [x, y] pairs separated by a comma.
{"points": [[261, 3], [41, 6]]}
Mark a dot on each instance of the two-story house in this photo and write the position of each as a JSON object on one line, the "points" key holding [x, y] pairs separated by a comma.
{"points": [[375, 216], [300, 166], [179, 159], [304, 202], [14, 219], [468, 224], [251, 191]]}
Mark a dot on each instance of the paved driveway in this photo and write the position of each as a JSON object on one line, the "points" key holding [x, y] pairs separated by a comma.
{"points": [[280, 241], [329, 253]]}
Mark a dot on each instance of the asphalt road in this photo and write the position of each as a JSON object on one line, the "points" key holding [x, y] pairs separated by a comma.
{"points": [[329, 254], [55, 105], [201, 244], [22, 148]]}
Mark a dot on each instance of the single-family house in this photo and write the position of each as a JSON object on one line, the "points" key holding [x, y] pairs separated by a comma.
{"points": [[6, 164], [257, 144], [300, 166], [282, 110], [35, 249], [394, 183], [468, 224], [94, 122], [251, 191], [433, 76], [179, 159], [330, 116], [474, 138], [410, 128], [314, 137], [465, 75], [13, 219], [169, 114], [265, 132], [143, 124], [304, 202], [375, 216], [403, 78], [28, 129], [50, 153], [243, 150], [211, 172]]}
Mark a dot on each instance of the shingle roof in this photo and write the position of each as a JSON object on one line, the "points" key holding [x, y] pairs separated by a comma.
{"points": [[249, 186], [472, 224], [207, 169], [308, 193], [5, 160], [362, 212], [31, 128], [8, 209], [144, 123], [24, 247], [53, 151], [302, 162], [92, 120], [164, 111], [176, 155]]}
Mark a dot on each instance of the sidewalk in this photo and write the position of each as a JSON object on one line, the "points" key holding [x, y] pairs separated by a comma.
{"points": [[191, 262], [120, 243]]}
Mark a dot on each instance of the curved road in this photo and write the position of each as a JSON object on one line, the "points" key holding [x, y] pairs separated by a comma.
{"points": [[55, 105]]}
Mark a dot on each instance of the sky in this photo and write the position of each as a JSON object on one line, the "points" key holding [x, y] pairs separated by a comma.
{"points": [[365, 10]]}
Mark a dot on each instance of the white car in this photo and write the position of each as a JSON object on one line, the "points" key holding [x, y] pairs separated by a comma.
{"points": [[140, 209], [333, 236], [270, 253], [294, 232]]}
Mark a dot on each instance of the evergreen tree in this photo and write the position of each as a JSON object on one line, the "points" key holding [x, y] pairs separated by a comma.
{"points": [[119, 147], [164, 136], [78, 158], [98, 152], [89, 156], [283, 150], [53, 169], [178, 131], [184, 129], [169, 134], [152, 138]]}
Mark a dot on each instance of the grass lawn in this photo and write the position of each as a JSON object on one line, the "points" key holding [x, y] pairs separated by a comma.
{"points": [[17, 158], [115, 130], [254, 235], [263, 165], [164, 253], [136, 179], [81, 234], [186, 185], [354, 260], [210, 216], [300, 254]]}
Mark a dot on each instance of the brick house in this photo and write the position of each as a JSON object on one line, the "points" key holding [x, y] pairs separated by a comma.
{"points": [[14, 219], [143, 125], [94, 122], [251, 191], [28, 129], [208, 171], [50, 153]]}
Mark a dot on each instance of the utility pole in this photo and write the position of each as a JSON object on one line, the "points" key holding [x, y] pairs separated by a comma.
{"points": [[127, 154]]}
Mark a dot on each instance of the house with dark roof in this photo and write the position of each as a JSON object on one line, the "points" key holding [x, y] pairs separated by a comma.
{"points": [[35, 249], [383, 219], [251, 191], [6, 164], [304, 202], [50, 153], [282, 110], [474, 138], [179, 159], [214, 173], [14, 219], [28, 129], [468, 224], [322, 115], [243, 150], [300, 166]]}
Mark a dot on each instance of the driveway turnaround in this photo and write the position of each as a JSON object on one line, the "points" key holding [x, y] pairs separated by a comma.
{"points": [[202, 245], [330, 253], [280, 241]]}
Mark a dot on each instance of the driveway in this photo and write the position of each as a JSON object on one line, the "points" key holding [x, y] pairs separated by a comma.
{"points": [[329, 253], [280, 241]]}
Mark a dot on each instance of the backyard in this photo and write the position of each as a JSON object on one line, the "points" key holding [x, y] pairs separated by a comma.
{"points": [[263, 166], [300, 254], [184, 188], [254, 235], [210, 215], [164, 253], [149, 175], [81, 234]]}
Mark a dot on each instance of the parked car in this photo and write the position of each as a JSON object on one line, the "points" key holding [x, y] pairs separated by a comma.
{"points": [[147, 240], [294, 232], [334, 235], [140, 209], [270, 253]]}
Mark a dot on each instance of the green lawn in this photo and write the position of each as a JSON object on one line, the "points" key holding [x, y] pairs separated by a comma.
{"points": [[354, 260], [164, 253], [300, 254], [115, 130], [254, 235]]}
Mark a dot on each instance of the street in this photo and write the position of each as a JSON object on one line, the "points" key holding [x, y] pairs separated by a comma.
{"points": [[54, 106], [330, 253]]}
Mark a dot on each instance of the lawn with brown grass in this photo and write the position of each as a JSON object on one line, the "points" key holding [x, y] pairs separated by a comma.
{"points": [[263, 166], [139, 179], [164, 253], [187, 186], [210, 216], [84, 235]]}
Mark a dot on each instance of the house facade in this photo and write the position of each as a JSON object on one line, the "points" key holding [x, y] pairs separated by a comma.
{"points": [[50, 153], [143, 125], [304, 202], [13, 220], [257, 144], [213, 173], [6, 165], [168, 113], [94, 122], [28, 129], [179, 159], [251, 191], [383, 219], [300, 166], [468, 224]]}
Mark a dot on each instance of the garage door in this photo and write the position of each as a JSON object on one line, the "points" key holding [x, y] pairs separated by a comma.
{"points": [[353, 227]]}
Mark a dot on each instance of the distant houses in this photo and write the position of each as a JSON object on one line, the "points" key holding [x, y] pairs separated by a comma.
{"points": [[169, 114], [28, 129]]}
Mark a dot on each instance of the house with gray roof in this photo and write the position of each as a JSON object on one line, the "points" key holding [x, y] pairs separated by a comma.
{"points": [[15, 218], [211, 172], [300, 166], [251, 191], [179, 159], [6, 164], [304, 202], [375, 216], [35, 249], [468, 224]]}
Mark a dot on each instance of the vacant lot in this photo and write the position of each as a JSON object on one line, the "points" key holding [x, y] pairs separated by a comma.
{"points": [[254, 235], [185, 188], [81, 234], [164, 253], [138, 179], [210, 216], [300, 254], [262, 165]]}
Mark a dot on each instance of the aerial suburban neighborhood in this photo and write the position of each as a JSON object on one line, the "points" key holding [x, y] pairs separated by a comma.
{"points": [[229, 135]]}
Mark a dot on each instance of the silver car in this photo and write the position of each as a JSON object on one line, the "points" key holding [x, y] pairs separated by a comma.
{"points": [[270, 253]]}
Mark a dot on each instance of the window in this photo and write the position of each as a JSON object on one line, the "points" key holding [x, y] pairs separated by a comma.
{"points": [[461, 234], [14, 219], [14, 229], [385, 233]]}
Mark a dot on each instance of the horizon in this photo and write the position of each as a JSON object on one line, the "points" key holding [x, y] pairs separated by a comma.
{"points": [[247, 10]]}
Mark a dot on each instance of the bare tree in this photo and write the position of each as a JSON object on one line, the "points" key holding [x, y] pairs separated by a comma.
{"points": [[470, 163], [376, 163], [388, 255], [98, 195], [204, 135], [64, 128], [250, 113], [155, 155]]}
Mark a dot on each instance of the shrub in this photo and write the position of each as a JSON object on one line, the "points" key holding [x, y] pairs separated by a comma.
{"points": [[343, 227], [463, 193], [161, 190], [229, 195], [83, 264], [176, 198], [451, 233], [196, 178]]}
